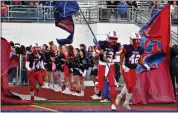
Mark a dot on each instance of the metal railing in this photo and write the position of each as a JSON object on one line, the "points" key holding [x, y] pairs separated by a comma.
{"points": [[174, 38], [46, 14]]}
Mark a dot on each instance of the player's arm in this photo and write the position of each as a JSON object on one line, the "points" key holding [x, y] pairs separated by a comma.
{"points": [[122, 56], [119, 51], [27, 63], [140, 61], [118, 54], [122, 60]]}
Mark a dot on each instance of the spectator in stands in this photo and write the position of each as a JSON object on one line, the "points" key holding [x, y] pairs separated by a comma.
{"points": [[16, 2], [154, 8], [4, 10], [174, 12], [112, 5], [174, 65], [161, 4], [123, 9], [133, 11]]}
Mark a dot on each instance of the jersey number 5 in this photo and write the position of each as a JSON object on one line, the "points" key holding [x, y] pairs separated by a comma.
{"points": [[134, 59]]}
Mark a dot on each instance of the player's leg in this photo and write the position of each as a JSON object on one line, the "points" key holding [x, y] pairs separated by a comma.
{"points": [[101, 77], [130, 80], [31, 78], [39, 77], [121, 94], [111, 77], [124, 89]]}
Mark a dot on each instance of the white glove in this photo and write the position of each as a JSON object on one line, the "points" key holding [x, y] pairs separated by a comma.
{"points": [[147, 67], [126, 69]]}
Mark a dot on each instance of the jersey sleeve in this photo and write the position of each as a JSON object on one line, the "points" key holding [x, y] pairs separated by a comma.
{"points": [[100, 45], [125, 47], [118, 47]]}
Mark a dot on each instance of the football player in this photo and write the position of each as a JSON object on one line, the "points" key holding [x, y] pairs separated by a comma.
{"points": [[132, 55], [34, 65], [107, 50]]}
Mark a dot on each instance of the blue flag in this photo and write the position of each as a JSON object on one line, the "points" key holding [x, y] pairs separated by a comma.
{"points": [[63, 11], [153, 40]]}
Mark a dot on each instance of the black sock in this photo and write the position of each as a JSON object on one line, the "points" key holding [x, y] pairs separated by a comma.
{"points": [[78, 91], [99, 94]]}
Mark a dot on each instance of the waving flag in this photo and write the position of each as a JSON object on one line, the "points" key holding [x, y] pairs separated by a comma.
{"points": [[155, 86], [63, 11], [155, 39], [7, 97]]}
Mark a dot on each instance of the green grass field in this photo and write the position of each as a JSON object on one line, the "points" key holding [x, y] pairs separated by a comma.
{"points": [[90, 103]]}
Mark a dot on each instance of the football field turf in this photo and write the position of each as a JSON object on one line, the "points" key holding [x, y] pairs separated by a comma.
{"points": [[87, 106]]}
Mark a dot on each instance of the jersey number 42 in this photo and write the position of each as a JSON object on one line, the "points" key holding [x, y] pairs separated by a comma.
{"points": [[134, 59]]}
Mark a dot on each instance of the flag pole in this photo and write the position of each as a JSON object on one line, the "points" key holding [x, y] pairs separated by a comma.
{"points": [[94, 40]]}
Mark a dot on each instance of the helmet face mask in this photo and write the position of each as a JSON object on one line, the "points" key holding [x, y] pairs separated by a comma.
{"points": [[112, 37], [136, 42], [36, 49], [112, 40], [135, 39]]}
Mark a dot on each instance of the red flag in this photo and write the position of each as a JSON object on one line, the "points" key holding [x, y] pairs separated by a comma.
{"points": [[155, 86], [6, 63], [159, 29]]}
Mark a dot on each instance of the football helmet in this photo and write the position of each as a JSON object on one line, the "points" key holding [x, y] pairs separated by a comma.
{"points": [[112, 37], [36, 48], [135, 39]]}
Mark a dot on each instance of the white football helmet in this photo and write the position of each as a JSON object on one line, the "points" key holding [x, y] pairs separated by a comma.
{"points": [[36, 48], [112, 37], [135, 39]]}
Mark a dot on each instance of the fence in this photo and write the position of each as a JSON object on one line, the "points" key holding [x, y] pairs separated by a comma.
{"points": [[46, 14]]}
